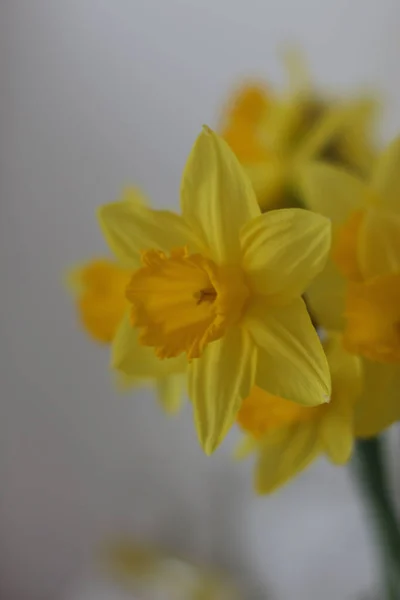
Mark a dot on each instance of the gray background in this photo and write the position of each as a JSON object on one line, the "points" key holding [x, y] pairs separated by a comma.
{"points": [[97, 94]]}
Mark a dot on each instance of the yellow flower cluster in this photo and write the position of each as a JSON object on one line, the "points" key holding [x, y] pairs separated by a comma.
{"points": [[264, 317]]}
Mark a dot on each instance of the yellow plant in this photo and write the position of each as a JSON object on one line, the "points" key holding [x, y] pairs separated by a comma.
{"points": [[275, 136], [222, 285], [359, 292], [287, 437], [99, 288]]}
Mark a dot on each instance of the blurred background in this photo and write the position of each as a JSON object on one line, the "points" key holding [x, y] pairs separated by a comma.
{"points": [[95, 95]]}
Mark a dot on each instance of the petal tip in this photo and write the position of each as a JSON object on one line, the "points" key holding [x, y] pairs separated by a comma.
{"points": [[207, 130], [210, 446]]}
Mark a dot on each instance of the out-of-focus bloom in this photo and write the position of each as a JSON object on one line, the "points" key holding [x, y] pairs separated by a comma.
{"points": [[287, 437], [151, 572], [222, 284], [359, 292], [275, 136], [99, 288]]}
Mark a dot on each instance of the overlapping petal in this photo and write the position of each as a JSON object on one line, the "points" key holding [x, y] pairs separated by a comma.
{"points": [[332, 192], [219, 381], [291, 360], [379, 406], [379, 243], [170, 391], [135, 360], [386, 177], [283, 250], [216, 196], [284, 454], [325, 298], [337, 435], [131, 227]]}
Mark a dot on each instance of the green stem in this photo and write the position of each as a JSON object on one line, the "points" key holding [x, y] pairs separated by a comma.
{"points": [[374, 480]]}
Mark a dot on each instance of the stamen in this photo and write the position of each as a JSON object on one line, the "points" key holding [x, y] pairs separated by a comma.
{"points": [[206, 295]]}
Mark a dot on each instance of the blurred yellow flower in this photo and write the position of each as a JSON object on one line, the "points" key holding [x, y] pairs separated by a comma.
{"points": [[288, 437], [99, 288], [159, 574], [366, 249], [222, 285], [274, 136], [359, 291]]}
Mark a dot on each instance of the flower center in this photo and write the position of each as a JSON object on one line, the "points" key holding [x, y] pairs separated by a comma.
{"points": [[184, 301], [373, 318]]}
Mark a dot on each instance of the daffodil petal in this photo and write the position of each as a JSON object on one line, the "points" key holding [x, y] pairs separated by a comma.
{"points": [[326, 297], [331, 191], [284, 454], [133, 359], [170, 391], [247, 445], [379, 406], [386, 177], [337, 434], [217, 197], [291, 360], [219, 381], [135, 195], [336, 121], [130, 228], [283, 250], [346, 369], [379, 243]]}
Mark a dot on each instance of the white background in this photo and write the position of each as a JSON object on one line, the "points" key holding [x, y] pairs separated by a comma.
{"points": [[97, 94]]}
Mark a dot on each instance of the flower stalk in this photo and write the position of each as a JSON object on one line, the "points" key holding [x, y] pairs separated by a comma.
{"points": [[374, 482]]}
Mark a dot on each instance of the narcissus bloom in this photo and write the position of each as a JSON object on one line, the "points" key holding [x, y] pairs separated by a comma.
{"points": [[275, 136], [287, 437], [360, 290], [99, 288], [366, 249], [221, 285]]}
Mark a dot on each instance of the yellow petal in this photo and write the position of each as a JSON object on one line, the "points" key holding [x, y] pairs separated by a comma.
{"points": [[346, 372], [130, 228], [284, 454], [379, 406], [291, 360], [372, 318], [336, 121], [247, 445], [135, 195], [171, 392], [129, 357], [99, 289], [283, 250], [299, 77], [355, 144], [219, 381], [331, 191], [325, 298], [269, 179], [217, 197], [336, 433], [386, 177], [379, 243]]}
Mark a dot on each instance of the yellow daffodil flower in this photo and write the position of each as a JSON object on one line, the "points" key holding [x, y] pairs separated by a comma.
{"points": [[99, 288], [287, 437], [221, 285], [274, 137], [359, 291]]}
